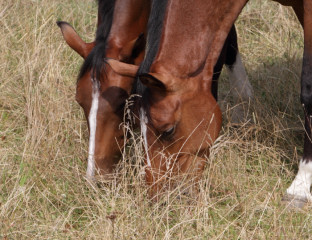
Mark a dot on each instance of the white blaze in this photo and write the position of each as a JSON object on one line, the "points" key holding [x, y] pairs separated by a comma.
{"points": [[92, 126], [300, 187], [143, 122]]}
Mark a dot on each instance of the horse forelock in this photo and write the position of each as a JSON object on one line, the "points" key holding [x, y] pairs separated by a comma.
{"points": [[96, 59], [155, 23]]}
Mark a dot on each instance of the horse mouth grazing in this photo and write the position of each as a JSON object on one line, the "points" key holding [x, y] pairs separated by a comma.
{"points": [[180, 172]]}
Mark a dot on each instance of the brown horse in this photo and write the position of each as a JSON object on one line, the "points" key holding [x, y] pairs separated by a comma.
{"points": [[179, 116], [104, 109], [100, 91]]}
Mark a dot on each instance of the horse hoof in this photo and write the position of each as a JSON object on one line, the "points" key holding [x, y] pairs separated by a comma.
{"points": [[294, 202]]}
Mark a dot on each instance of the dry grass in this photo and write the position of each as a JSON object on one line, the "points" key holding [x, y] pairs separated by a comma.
{"points": [[43, 140]]}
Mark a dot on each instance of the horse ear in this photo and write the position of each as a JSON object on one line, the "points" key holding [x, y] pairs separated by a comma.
{"points": [[151, 80], [73, 39], [133, 48], [125, 69]]}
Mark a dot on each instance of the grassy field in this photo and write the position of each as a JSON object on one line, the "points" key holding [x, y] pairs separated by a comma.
{"points": [[43, 140]]}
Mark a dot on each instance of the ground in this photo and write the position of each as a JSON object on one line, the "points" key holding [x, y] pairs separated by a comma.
{"points": [[43, 140]]}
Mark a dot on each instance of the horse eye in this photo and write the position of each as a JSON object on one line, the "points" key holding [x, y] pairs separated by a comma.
{"points": [[168, 133]]}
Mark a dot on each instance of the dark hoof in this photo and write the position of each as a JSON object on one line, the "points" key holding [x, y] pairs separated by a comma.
{"points": [[294, 201]]}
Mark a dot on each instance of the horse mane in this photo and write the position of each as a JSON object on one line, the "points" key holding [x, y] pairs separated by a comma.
{"points": [[155, 23], [95, 60]]}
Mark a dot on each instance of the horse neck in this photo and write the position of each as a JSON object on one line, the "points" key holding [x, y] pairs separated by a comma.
{"points": [[129, 21], [193, 35]]}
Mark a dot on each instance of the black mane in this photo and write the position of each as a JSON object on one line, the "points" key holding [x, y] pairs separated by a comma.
{"points": [[95, 59], [155, 24]]}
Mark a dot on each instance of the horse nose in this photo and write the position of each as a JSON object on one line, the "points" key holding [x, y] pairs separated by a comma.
{"points": [[306, 94]]}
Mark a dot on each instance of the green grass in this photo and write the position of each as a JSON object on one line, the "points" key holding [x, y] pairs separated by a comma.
{"points": [[43, 140]]}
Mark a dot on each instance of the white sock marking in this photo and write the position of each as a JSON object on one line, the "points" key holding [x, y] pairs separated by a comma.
{"points": [[143, 122], [301, 185], [92, 125]]}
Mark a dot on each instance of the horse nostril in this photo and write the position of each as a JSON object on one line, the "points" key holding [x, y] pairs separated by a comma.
{"points": [[308, 87]]}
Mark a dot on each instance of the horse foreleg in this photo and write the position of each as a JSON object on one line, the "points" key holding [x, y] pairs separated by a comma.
{"points": [[241, 88], [299, 190]]}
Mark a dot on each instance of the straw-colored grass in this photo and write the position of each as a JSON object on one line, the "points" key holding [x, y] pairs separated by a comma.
{"points": [[43, 140]]}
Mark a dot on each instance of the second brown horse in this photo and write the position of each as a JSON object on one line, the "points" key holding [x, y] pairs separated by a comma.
{"points": [[180, 117]]}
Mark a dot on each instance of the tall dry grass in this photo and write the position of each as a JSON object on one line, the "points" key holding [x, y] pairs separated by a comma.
{"points": [[43, 140]]}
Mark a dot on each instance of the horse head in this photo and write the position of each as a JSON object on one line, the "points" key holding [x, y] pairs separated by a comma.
{"points": [[102, 94]]}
